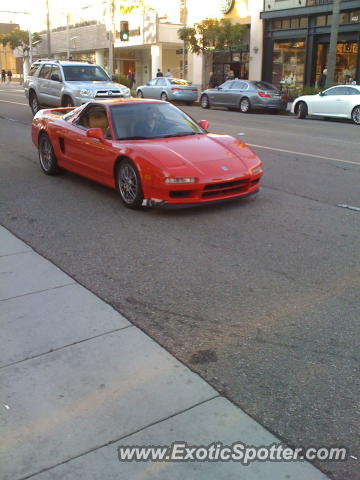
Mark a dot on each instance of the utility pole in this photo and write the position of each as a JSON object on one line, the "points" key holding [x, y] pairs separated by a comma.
{"points": [[184, 43], [111, 40], [48, 28], [330, 78], [67, 36]]}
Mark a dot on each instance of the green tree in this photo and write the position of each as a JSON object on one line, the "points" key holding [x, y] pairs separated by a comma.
{"points": [[19, 39], [210, 35]]}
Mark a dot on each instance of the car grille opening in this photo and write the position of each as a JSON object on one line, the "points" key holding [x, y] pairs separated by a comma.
{"points": [[180, 193], [107, 94], [225, 188]]}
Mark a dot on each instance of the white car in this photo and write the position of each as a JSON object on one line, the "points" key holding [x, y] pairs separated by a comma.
{"points": [[341, 101]]}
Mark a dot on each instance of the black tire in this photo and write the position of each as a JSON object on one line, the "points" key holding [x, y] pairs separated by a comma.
{"points": [[164, 97], [302, 110], [34, 103], [355, 115], [128, 183], [139, 94], [204, 101], [48, 161], [67, 101], [245, 105]]}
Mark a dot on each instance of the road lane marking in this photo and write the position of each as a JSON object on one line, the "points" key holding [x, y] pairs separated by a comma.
{"points": [[350, 207], [12, 90], [312, 155], [15, 103]]}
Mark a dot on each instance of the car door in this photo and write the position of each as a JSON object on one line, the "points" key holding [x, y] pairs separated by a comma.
{"points": [[235, 92], [218, 96], [160, 86], [44, 85], [55, 86], [148, 89], [89, 156], [330, 103], [352, 100]]}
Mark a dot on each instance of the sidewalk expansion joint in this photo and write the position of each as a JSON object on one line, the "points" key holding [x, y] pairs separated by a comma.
{"points": [[16, 253], [111, 442], [52, 350], [39, 291]]}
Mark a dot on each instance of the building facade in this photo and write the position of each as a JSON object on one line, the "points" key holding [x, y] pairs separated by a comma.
{"points": [[8, 61], [297, 37]]}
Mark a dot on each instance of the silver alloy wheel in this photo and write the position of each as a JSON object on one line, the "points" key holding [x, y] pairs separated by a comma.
{"points": [[46, 154], [204, 101], [244, 105], [355, 115], [35, 107], [128, 183], [140, 94], [164, 97]]}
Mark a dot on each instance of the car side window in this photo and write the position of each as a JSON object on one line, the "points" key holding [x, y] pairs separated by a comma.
{"points": [[161, 82], [239, 85], [353, 91], [152, 82], [45, 71], [55, 70], [335, 91], [94, 117], [227, 85]]}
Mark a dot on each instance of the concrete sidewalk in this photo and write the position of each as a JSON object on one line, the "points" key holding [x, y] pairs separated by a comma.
{"points": [[77, 380]]}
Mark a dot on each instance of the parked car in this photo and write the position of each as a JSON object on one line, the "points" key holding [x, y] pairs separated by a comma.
{"points": [[57, 83], [245, 95], [341, 101], [168, 89], [150, 151]]}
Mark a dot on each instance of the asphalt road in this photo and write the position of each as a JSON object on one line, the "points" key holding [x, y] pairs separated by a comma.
{"points": [[260, 296]]}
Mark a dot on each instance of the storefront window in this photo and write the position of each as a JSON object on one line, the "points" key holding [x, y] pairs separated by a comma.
{"points": [[346, 60], [288, 65]]}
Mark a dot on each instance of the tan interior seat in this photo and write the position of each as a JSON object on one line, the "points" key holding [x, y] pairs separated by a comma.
{"points": [[98, 120]]}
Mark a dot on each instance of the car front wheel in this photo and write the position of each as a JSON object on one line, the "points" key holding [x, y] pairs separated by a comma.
{"points": [[302, 110], [139, 94], [47, 157], [355, 115], [67, 102], [129, 184], [164, 97], [34, 103]]}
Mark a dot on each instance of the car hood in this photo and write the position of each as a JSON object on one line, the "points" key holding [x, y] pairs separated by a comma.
{"points": [[98, 85], [202, 155]]}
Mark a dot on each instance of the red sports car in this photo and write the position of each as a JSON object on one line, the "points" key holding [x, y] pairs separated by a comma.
{"points": [[151, 151]]}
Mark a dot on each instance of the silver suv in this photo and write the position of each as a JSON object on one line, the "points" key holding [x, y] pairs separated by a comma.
{"points": [[58, 83]]}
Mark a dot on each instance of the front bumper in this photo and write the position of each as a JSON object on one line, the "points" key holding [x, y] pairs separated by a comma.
{"points": [[204, 192]]}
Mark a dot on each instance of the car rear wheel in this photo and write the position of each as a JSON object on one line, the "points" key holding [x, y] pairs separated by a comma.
{"points": [[204, 101], [355, 115], [139, 94], [129, 184], [47, 157], [245, 105], [302, 110], [34, 103], [164, 97], [67, 102]]}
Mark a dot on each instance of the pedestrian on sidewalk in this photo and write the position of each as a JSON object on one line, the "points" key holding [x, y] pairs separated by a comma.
{"points": [[3, 76], [9, 75], [168, 74], [159, 73]]}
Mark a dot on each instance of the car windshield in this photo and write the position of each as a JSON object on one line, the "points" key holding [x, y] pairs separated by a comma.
{"points": [[85, 73], [265, 86], [151, 120]]}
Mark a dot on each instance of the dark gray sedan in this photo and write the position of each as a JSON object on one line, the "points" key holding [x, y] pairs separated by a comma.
{"points": [[172, 89], [245, 95]]}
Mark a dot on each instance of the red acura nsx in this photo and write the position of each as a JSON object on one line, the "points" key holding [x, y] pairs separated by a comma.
{"points": [[150, 151]]}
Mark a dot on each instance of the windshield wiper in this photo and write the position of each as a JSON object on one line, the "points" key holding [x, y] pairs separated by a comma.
{"points": [[179, 134], [136, 137]]}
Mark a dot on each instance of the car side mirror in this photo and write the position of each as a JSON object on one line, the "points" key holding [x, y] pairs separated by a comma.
{"points": [[95, 133], [55, 77], [204, 124]]}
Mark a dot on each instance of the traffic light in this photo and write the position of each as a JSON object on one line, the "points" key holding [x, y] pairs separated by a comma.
{"points": [[124, 31]]}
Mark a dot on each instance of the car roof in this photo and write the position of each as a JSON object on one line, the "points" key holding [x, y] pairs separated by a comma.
{"points": [[119, 101]]}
